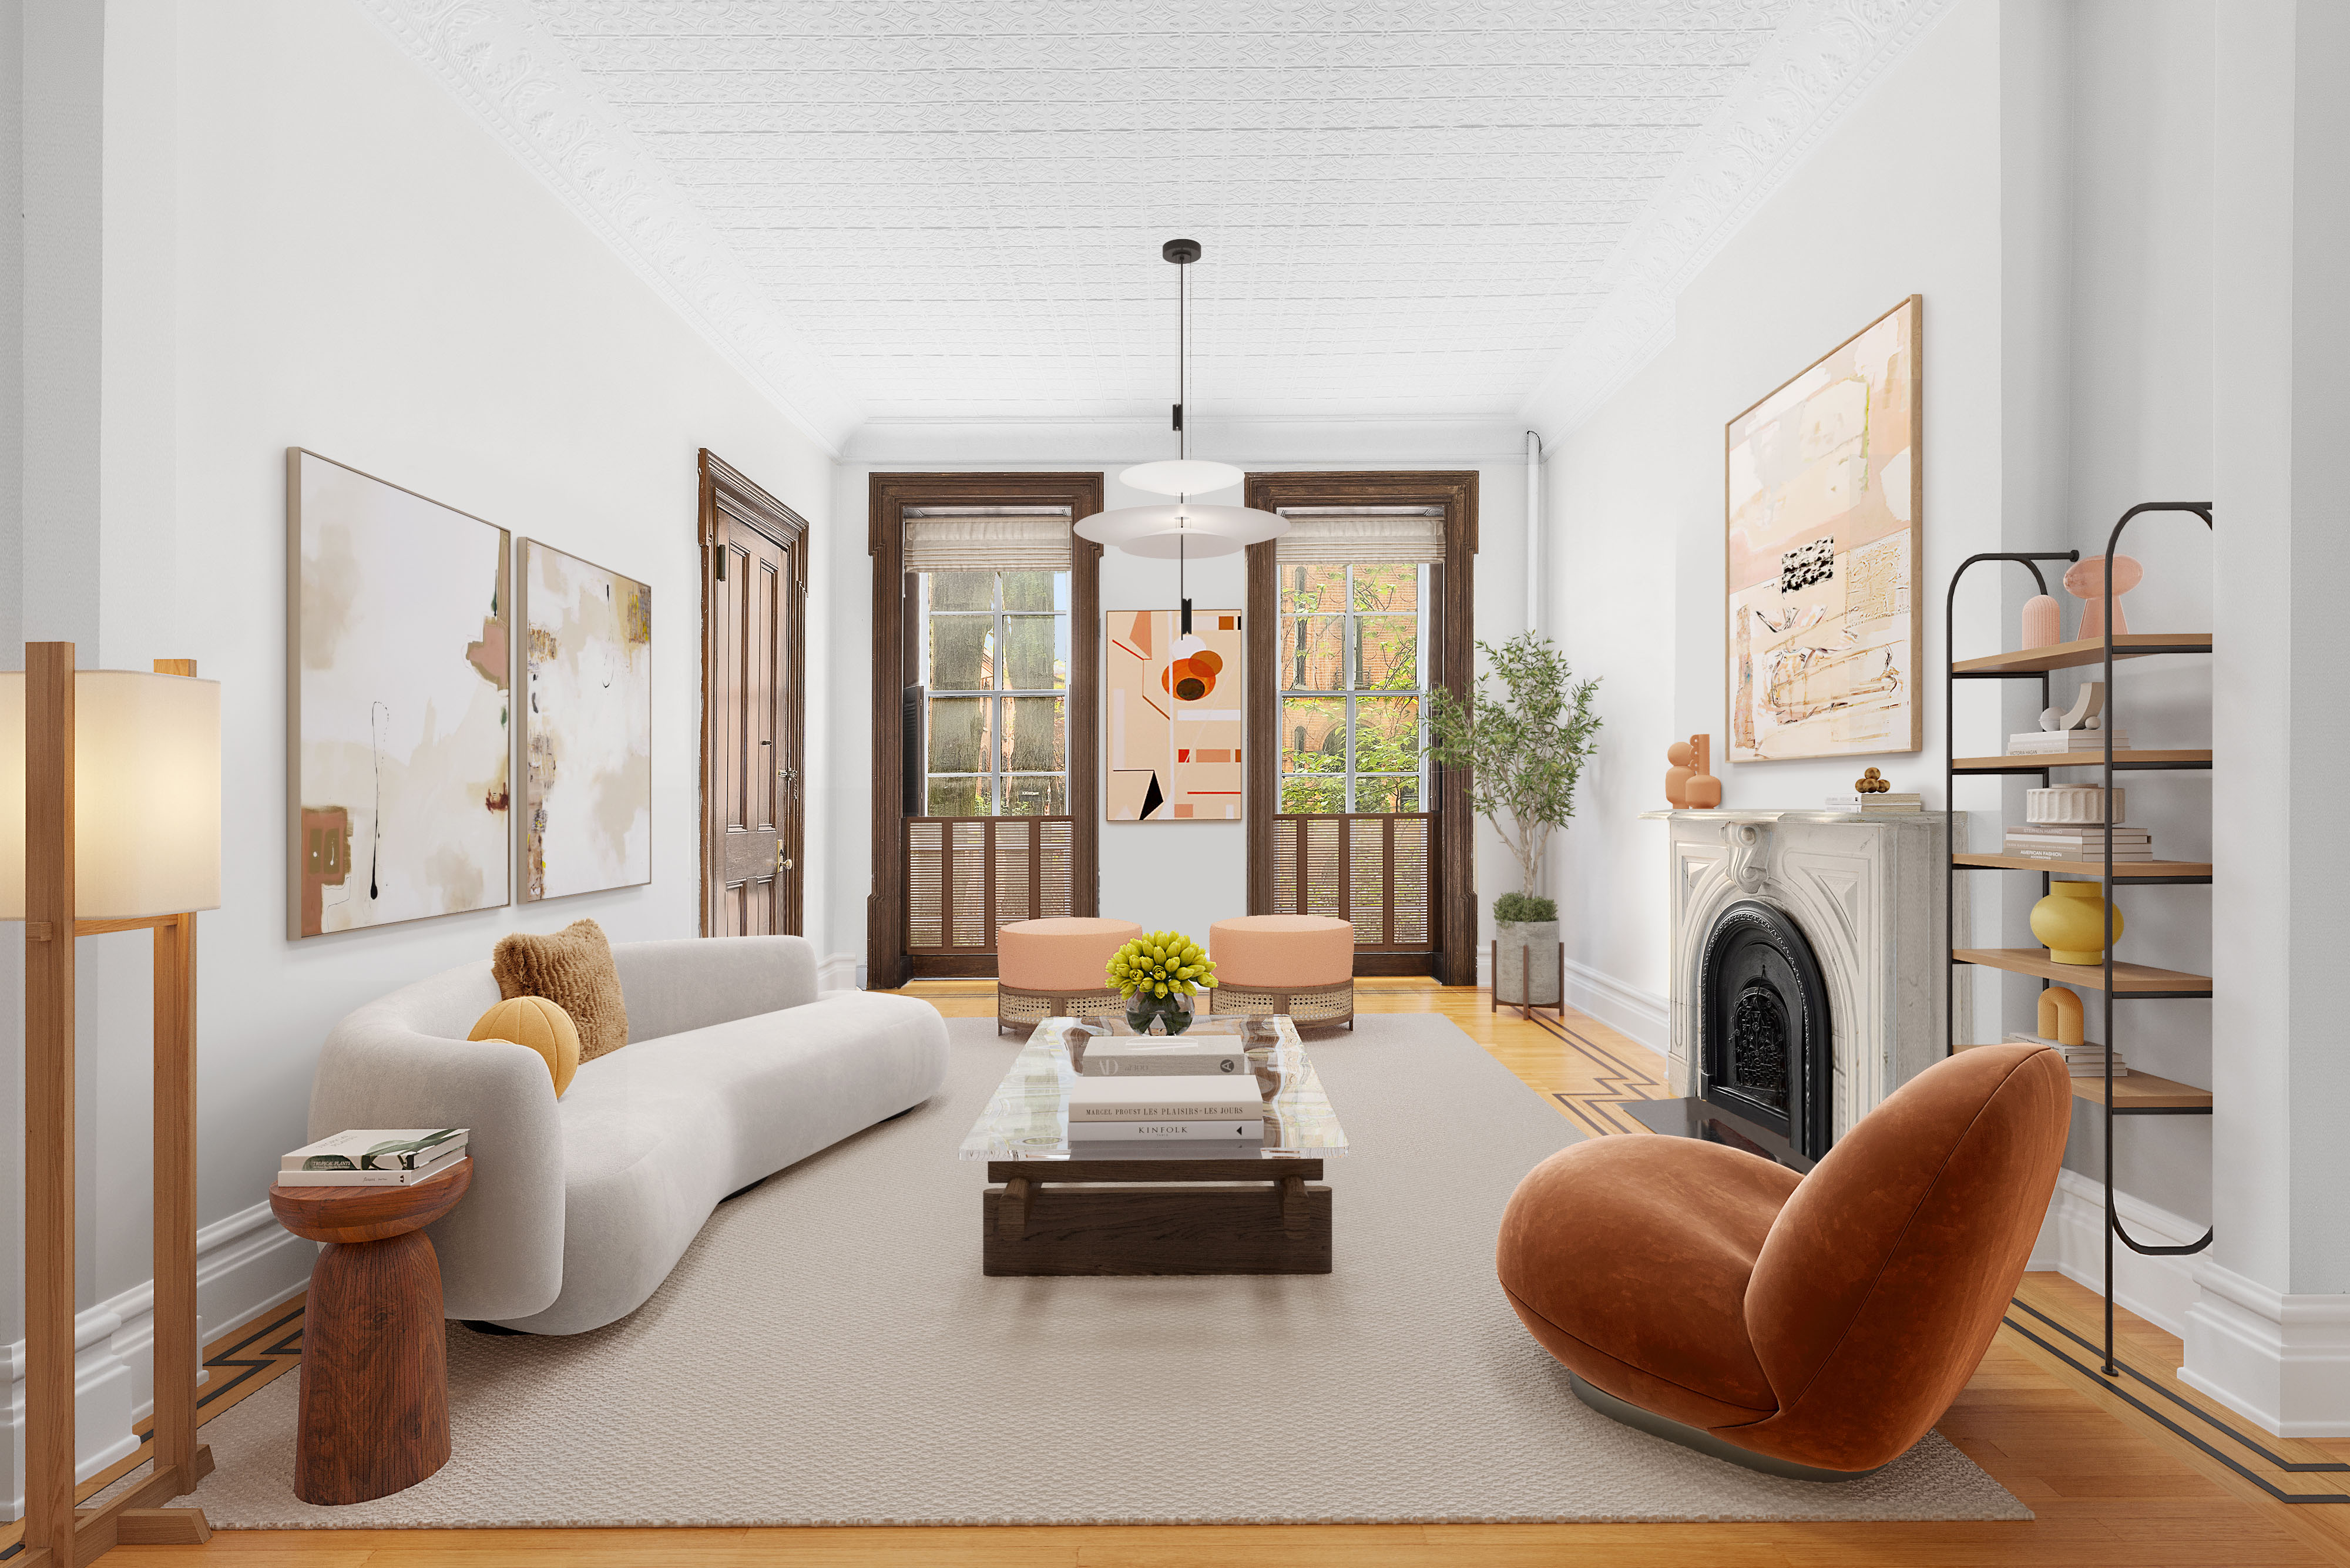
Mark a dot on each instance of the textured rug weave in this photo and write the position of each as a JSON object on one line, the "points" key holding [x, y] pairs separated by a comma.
{"points": [[828, 1353]]}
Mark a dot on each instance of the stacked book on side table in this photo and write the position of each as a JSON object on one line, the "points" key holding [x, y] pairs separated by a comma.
{"points": [[375, 1157], [1131, 1092]]}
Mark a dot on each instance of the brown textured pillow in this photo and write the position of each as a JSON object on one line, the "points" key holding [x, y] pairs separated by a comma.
{"points": [[572, 969]]}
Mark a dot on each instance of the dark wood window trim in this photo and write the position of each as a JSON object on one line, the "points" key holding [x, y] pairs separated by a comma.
{"points": [[1455, 959], [723, 489], [886, 965]]}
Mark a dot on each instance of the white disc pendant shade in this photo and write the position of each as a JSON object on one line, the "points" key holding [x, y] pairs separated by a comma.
{"points": [[1181, 476], [147, 794], [1186, 528]]}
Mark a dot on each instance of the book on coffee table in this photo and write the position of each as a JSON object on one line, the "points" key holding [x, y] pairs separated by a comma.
{"points": [[1102, 1059], [1124, 1098], [1249, 1130]]}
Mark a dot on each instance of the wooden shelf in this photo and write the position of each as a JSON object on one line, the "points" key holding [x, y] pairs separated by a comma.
{"points": [[2084, 651], [2129, 978], [2124, 758], [2140, 1091], [2123, 869]]}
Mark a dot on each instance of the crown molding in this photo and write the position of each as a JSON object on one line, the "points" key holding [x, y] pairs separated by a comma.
{"points": [[1824, 61], [492, 57], [1338, 440]]}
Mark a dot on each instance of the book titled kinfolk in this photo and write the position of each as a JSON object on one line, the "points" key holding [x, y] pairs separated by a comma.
{"points": [[397, 1176], [1249, 1130], [1123, 1098], [1173, 1061], [377, 1149]]}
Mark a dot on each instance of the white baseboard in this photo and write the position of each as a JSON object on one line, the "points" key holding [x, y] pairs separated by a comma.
{"points": [[2072, 1243], [1627, 1008], [245, 1264], [837, 972], [2283, 1361]]}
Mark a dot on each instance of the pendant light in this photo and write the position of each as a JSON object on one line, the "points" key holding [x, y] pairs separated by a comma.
{"points": [[1183, 528]]}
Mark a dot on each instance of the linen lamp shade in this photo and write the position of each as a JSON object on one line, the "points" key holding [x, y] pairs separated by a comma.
{"points": [[147, 794]]}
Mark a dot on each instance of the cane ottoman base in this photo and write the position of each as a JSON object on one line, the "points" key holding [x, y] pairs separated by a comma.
{"points": [[1021, 1010], [1309, 1007]]}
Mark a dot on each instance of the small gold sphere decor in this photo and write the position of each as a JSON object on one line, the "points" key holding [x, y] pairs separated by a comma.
{"points": [[2071, 922], [1872, 782], [1154, 973]]}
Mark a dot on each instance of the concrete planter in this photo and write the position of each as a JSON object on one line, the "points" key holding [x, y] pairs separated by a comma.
{"points": [[1526, 965]]}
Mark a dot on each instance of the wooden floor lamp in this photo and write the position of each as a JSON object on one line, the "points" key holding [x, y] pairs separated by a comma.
{"points": [[118, 829]]}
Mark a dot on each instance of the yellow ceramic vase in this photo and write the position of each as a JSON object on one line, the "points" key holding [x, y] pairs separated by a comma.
{"points": [[2071, 922]]}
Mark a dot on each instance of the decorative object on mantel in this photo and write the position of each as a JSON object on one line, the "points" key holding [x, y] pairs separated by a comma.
{"points": [[1825, 496], [2043, 622], [2065, 804], [136, 759], [1154, 973], [2071, 923], [1872, 792], [1680, 753], [2086, 581], [1704, 791], [2061, 1019]]}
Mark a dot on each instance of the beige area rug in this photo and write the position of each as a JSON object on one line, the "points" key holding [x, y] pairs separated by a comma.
{"points": [[828, 1353]]}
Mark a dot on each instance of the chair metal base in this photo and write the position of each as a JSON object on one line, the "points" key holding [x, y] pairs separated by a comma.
{"points": [[1704, 1442]]}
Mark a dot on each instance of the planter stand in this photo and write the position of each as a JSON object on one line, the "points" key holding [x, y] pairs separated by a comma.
{"points": [[1526, 1007]]}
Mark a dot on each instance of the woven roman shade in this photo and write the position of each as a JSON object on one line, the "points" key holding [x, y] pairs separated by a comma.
{"points": [[1362, 536], [988, 541]]}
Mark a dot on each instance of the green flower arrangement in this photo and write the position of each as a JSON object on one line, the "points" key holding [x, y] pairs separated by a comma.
{"points": [[1160, 965]]}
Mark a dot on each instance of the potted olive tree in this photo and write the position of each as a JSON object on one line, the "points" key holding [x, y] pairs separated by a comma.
{"points": [[1525, 746]]}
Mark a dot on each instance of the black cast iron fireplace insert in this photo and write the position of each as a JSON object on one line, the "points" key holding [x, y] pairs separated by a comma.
{"points": [[1763, 1026]]}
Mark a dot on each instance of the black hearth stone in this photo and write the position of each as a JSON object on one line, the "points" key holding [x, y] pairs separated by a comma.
{"points": [[1697, 1118]]}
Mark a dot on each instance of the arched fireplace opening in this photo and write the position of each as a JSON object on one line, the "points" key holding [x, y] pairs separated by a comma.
{"points": [[1763, 1025]]}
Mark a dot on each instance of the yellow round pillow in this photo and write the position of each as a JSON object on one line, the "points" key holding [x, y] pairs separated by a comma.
{"points": [[535, 1022]]}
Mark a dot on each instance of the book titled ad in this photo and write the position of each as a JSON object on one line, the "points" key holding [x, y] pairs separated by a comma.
{"points": [[1128, 1062]]}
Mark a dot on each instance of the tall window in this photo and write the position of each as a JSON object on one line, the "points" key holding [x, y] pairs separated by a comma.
{"points": [[1353, 661], [995, 661]]}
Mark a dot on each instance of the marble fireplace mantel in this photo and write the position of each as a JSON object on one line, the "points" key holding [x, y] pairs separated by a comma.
{"points": [[1865, 890]]}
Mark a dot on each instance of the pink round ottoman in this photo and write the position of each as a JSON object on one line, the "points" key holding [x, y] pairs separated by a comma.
{"points": [[1302, 965], [1056, 968]]}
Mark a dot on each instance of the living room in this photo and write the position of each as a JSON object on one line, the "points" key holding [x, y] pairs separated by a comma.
{"points": [[1658, 486]]}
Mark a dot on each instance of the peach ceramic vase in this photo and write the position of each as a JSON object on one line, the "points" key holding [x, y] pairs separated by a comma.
{"points": [[2071, 923], [2086, 581], [1677, 778], [1704, 791]]}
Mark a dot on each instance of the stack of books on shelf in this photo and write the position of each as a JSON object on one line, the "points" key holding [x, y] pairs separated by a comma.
{"points": [[2081, 841], [2081, 1061], [2041, 743], [1118, 1108], [375, 1157], [1889, 805]]}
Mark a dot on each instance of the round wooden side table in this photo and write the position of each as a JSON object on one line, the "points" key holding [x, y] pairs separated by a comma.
{"points": [[375, 1360]]}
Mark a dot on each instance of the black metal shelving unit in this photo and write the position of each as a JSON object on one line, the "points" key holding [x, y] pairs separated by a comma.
{"points": [[2138, 984]]}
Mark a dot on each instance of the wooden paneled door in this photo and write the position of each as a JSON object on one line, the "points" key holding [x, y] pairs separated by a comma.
{"points": [[754, 707]]}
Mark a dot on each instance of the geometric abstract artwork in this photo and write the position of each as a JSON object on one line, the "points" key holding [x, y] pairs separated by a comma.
{"points": [[399, 749], [587, 718], [1823, 493], [1174, 717]]}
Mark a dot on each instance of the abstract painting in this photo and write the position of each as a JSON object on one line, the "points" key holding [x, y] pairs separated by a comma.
{"points": [[1174, 717], [587, 719], [399, 747], [1823, 493]]}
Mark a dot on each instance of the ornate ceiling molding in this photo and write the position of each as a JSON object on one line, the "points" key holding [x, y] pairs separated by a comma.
{"points": [[1821, 63], [492, 55]]}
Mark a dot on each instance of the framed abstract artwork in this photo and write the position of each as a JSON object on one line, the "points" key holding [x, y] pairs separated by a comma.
{"points": [[1823, 496], [587, 719], [1174, 717], [398, 750]]}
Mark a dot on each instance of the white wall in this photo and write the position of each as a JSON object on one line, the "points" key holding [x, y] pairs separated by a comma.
{"points": [[1186, 876], [1903, 198], [309, 242]]}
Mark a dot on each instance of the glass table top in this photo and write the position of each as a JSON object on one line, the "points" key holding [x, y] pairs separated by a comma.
{"points": [[1028, 1119]]}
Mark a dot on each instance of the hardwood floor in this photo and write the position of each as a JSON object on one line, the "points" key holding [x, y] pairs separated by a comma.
{"points": [[2110, 1486]]}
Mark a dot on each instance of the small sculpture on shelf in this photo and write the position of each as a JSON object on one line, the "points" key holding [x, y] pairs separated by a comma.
{"points": [[2087, 582], [1872, 782], [2087, 711], [1704, 791], [2060, 1017], [2043, 622]]}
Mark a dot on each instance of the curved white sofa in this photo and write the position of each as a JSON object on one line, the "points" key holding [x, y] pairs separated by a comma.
{"points": [[579, 1207]]}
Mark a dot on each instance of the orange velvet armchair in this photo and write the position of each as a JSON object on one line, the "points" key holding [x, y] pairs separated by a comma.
{"points": [[1813, 1325]]}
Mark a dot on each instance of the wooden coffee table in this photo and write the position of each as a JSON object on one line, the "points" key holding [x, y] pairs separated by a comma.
{"points": [[1167, 1209], [375, 1358]]}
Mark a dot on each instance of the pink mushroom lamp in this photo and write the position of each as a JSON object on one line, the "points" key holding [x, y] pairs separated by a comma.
{"points": [[2087, 582]]}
